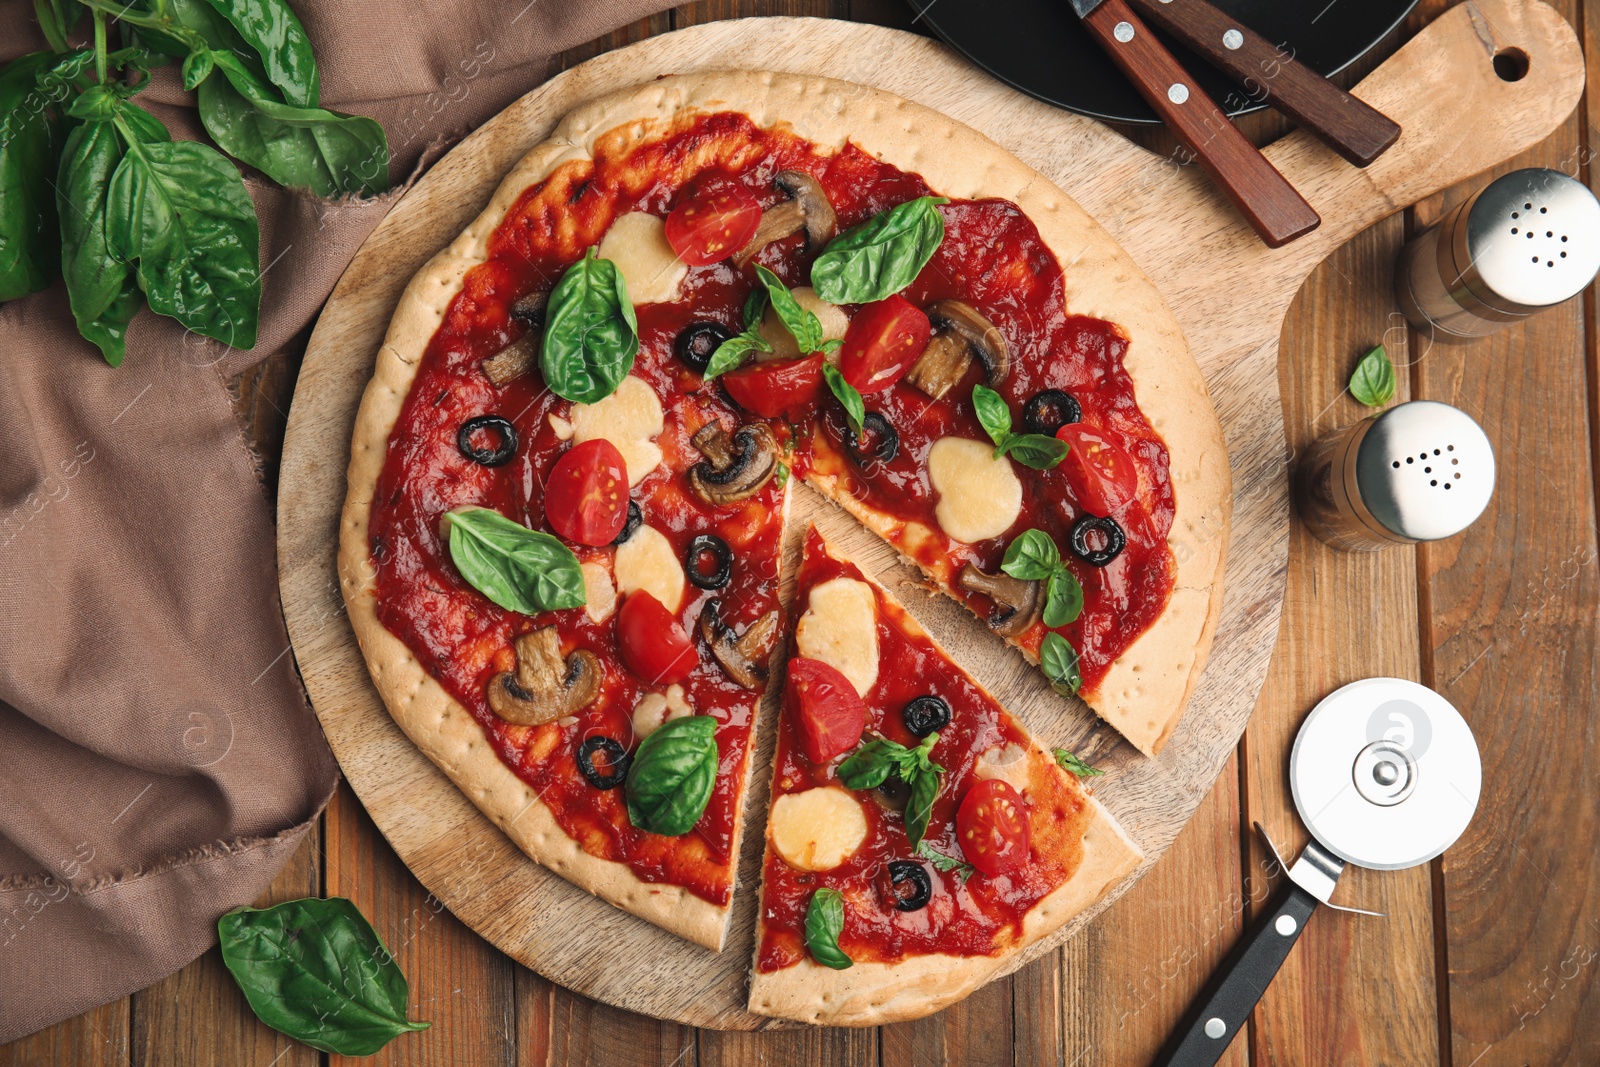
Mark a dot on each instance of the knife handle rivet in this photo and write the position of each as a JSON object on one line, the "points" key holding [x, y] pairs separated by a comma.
{"points": [[1232, 39], [1123, 32], [1215, 1027], [1285, 925], [1177, 92]]}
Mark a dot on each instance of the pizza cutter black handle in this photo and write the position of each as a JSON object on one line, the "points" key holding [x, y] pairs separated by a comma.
{"points": [[1227, 1000]]}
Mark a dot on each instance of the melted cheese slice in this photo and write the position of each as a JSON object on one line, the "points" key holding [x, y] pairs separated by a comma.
{"points": [[818, 829], [840, 628], [599, 595], [1009, 763], [637, 244], [979, 496], [834, 323], [654, 710], [630, 418], [646, 561]]}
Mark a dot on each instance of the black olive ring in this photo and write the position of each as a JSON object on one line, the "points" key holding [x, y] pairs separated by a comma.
{"points": [[874, 427], [926, 714], [1116, 540], [488, 457], [616, 755], [921, 885], [1050, 410], [630, 524], [708, 545], [697, 342]]}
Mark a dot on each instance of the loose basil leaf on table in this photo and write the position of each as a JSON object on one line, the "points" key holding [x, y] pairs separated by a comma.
{"points": [[273, 30], [824, 924], [100, 288], [180, 209], [316, 970], [520, 569], [1036, 450], [672, 776], [1373, 382], [881, 256], [590, 333], [1059, 661], [855, 409], [1068, 762], [330, 153], [30, 243]]}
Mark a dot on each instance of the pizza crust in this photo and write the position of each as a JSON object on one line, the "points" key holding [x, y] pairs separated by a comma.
{"points": [[1147, 687]]}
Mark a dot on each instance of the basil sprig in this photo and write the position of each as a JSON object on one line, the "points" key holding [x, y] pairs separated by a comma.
{"points": [[1035, 450], [731, 353], [947, 864], [316, 970], [1033, 557], [1373, 382], [881, 256], [871, 765], [591, 335], [672, 775], [802, 324], [1068, 762], [824, 924], [1059, 661], [855, 409], [520, 569]]}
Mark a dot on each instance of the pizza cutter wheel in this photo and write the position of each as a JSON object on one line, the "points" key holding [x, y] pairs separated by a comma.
{"points": [[1385, 774]]}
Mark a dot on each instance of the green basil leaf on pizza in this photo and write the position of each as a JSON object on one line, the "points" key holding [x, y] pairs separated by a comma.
{"points": [[591, 335], [1059, 661], [855, 409], [522, 570], [824, 924], [672, 775], [881, 256]]}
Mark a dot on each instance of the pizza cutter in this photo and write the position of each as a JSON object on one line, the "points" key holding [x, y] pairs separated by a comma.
{"points": [[1385, 774]]}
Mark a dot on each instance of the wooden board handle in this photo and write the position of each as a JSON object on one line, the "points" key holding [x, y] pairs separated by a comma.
{"points": [[1270, 74], [1263, 196]]}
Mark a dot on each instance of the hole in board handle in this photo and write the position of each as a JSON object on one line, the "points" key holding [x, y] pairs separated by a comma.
{"points": [[1511, 64]]}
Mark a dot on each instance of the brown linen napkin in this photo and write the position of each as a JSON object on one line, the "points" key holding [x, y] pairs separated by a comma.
{"points": [[158, 759]]}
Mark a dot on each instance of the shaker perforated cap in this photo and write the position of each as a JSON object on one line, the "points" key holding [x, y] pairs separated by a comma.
{"points": [[1425, 470], [1532, 240]]}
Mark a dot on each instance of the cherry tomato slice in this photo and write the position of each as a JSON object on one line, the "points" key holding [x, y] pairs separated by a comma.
{"points": [[1100, 472], [712, 223], [586, 494], [777, 388], [992, 827], [654, 644], [883, 341], [826, 708]]}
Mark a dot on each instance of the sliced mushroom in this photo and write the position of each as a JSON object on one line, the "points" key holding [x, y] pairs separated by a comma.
{"points": [[960, 334], [520, 356], [743, 656], [1017, 602], [806, 209], [546, 686], [735, 467]]}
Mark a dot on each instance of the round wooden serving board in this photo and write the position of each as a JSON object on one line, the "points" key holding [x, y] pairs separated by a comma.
{"points": [[1229, 292]]}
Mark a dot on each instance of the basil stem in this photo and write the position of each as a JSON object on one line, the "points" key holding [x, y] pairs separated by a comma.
{"points": [[590, 333], [881, 256], [824, 924], [317, 971], [672, 776], [522, 570], [1373, 381]]}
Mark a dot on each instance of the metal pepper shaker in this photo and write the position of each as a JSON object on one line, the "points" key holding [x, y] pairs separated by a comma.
{"points": [[1522, 243], [1420, 471]]}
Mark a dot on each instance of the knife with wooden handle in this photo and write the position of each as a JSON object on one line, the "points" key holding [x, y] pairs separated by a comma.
{"points": [[1265, 198], [1271, 75]]}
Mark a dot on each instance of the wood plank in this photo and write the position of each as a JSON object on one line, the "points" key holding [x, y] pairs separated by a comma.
{"points": [[586, 1033], [1128, 978], [1510, 634], [1358, 988], [96, 1038], [977, 1031], [789, 1048], [199, 1015], [458, 982]]}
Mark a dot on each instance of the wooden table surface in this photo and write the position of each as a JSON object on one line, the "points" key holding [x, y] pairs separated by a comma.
{"points": [[1489, 956]]}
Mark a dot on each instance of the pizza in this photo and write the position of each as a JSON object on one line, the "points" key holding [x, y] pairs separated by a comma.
{"points": [[561, 548], [918, 836]]}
